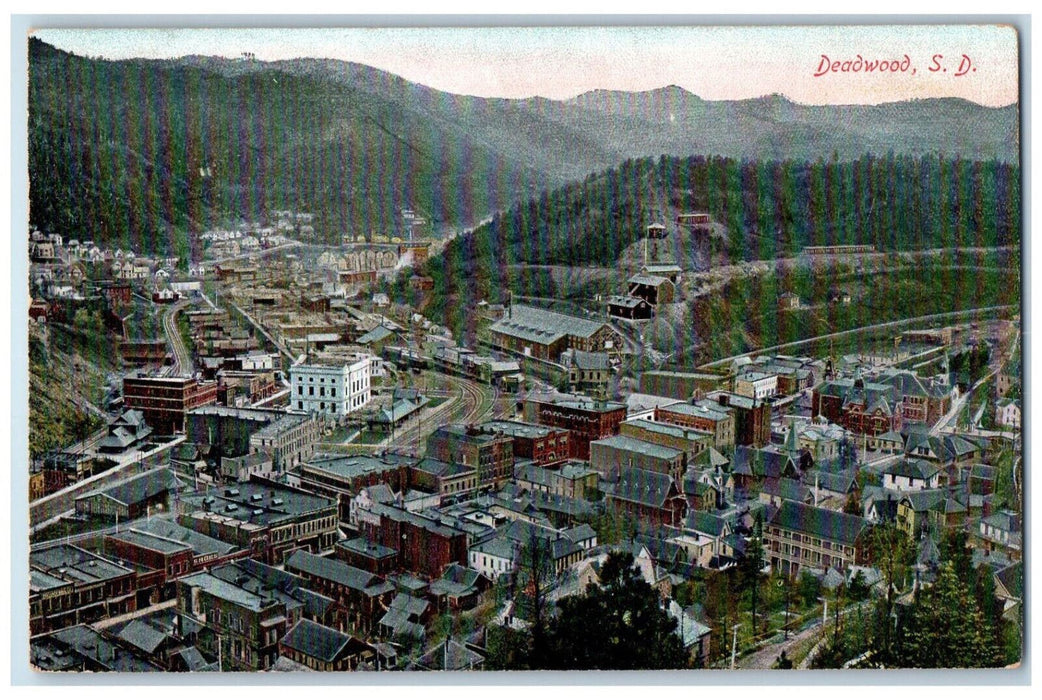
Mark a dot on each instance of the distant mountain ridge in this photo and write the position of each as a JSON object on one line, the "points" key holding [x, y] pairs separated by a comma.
{"points": [[119, 150]]}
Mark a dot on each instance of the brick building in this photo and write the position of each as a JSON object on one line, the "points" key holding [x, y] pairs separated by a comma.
{"points": [[541, 444], [165, 401], [343, 476], [752, 418], [288, 438], [269, 519], [238, 621], [491, 452], [649, 497], [859, 406], [692, 442], [609, 456], [322, 648], [801, 535], [425, 546], [362, 594], [165, 546], [443, 478], [586, 419], [70, 586], [533, 332], [705, 415]]}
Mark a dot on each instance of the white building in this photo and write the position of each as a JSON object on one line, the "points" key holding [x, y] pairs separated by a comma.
{"points": [[1007, 413], [911, 475], [257, 361], [333, 389], [756, 385], [494, 557]]}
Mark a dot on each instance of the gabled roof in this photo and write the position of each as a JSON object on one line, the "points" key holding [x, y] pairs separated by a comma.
{"points": [[1005, 520], [502, 547], [1012, 579], [904, 382], [649, 449], [138, 488], [645, 487], [711, 457], [321, 642], [543, 326], [924, 500], [839, 482], [786, 489], [663, 269], [142, 635], [912, 469], [375, 335], [590, 360], [706, 523], [648, 280], [891, 436], [749, 461], [929, 554], [450, 655], [338, 572], [626, 301], [819, 522]]}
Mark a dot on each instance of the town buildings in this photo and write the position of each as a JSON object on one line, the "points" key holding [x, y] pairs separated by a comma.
{"points": [[705, 415]]}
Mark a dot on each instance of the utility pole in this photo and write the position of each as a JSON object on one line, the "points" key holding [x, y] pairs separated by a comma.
{"points": [[734, 646]]}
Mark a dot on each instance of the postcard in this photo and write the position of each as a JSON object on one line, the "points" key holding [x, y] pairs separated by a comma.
{"points": [[502, 348]]}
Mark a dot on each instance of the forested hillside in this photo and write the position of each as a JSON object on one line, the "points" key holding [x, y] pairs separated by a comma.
{"points": [[770, 209], [141, 152]]}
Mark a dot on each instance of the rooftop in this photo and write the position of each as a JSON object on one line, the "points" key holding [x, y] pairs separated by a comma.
{"points": [[321, 642], [519, 429], [542, 326], [258, 503], [628, 444], [820, 522], [66, 562], [338, 572], [138, 488], [353, 466]]}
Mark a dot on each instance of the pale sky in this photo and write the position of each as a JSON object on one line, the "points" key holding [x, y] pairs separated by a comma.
{"points": [[560, 62]]}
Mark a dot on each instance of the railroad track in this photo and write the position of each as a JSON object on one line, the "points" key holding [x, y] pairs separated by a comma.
{"points": [[182, 357]]}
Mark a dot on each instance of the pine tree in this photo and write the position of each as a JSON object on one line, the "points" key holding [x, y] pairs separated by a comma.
{"points": [[946, 628], [618, 625]]}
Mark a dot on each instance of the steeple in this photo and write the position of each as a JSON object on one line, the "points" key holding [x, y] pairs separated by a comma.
{"points": [[792, 443]]}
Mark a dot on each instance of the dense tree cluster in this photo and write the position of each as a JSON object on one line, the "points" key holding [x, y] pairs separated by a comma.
{"points": [[616, 624], [955, 621]]}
